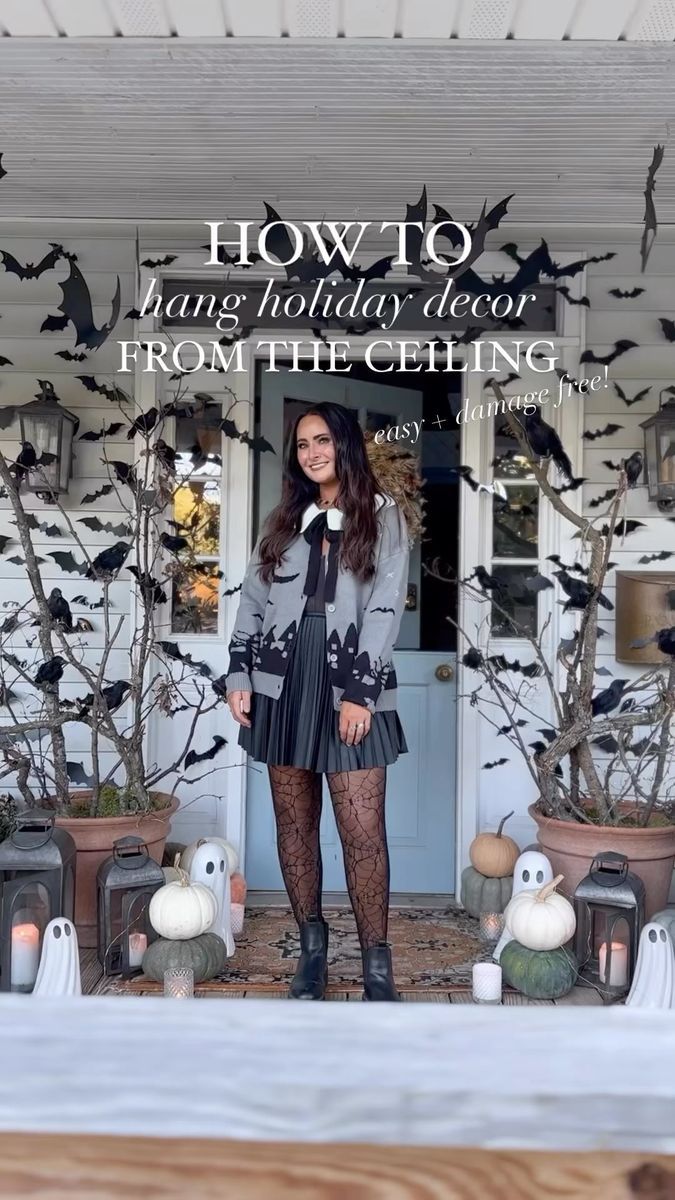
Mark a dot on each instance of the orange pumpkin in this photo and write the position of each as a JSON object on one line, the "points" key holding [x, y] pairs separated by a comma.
{"points": [[493, 854], [237, 888]]}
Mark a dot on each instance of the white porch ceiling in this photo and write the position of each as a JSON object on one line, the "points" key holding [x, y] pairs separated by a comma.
{"points": [[633, 20], [145, 129]]}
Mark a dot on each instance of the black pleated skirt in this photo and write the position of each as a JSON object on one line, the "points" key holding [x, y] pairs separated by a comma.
{"points": [[302, 727]]}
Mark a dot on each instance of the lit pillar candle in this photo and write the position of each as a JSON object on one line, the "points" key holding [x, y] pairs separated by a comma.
{"points": [[138, 944], [618, 964], [25, 955]]}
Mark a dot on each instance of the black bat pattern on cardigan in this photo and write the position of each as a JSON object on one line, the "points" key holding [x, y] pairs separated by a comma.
{"points": [[382, 610]]}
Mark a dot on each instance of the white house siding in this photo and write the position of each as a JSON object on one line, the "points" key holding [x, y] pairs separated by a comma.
{"points": [[651, 364], [102, 255]]}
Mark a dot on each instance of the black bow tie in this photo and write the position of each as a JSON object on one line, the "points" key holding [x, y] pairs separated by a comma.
{"points": [[315, 532]]}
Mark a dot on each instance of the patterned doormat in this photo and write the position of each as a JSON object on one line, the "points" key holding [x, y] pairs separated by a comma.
{"points": [[432, 949]]}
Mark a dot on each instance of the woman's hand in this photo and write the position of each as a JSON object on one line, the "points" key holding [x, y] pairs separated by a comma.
{"points": [[354, 723], [239, 704]]}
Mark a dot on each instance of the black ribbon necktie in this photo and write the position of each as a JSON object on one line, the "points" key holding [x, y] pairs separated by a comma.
{"points": [[315, 532]]}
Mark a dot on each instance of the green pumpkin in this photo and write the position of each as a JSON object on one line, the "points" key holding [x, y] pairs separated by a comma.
{"points": [[481, 894], [539, 974], [204, 954]]}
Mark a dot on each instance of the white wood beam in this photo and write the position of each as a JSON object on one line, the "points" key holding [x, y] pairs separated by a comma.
{"points": [[198, 18], [262, 19], [428, 18]]}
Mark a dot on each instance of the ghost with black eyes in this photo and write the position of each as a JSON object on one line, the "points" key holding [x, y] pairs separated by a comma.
{"points": [[210, 866], [531, 871], [59, 970], [653, 983]]}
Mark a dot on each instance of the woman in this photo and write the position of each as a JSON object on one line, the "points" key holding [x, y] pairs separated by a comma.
{"points": [[312, 684]]}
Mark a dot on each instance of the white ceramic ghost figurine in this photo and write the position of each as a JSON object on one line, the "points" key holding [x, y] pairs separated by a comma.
{"points": [[653, 983], [532, 871], [59, 970], [210, 866]]}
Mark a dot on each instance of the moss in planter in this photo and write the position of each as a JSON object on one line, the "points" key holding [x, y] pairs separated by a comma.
{"points": [[115, 802], [7, 816], [628, 820]]}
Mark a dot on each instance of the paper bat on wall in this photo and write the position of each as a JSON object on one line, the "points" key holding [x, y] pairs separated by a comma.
{"points": [[159, 262], [67, 562], [620, 347], [14, 267], [172, 650], [114, 393], [593, 435], [650, 221], [229, 260], [620, 295], [2, 169], [78, 775], [193, 757], [498, 762], [668, 328], [77, 308], [628, 400], [604, 498], [501, 382], [5, 362], [92, 497], [232, 339], [102, 433], [660, 557], [68, 356], [564, 291], [97, 526]]}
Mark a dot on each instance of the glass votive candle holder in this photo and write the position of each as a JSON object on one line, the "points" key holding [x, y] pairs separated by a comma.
{"points": [[487, 983], [491, 926], [179, 983]]}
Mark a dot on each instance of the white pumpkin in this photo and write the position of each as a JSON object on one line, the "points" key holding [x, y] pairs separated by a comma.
{"points": [[182, 910], [190, 851], [541, 920]]}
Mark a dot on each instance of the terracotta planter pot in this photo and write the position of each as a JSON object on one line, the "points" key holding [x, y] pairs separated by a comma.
{"points": [[571, 847], [94, 837]]}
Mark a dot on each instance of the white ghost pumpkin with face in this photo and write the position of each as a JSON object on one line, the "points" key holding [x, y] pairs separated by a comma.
{"points": [[210, 866], [59, 970], [653, 983], [531, 872]]}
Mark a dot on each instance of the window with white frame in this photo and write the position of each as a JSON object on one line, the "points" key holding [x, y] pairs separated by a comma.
{"points": [[515, 538], [195, 571]]}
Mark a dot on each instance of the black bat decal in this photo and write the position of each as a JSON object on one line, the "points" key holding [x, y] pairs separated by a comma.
{"points": [[620, 295], [134, 314], [2, 169], [69, 356], [564, 375], [92, 497], [102, 433], [77, 307], [636, 398], [14, 267], [498, 762], [620, 347], [5, 362], [593, 435], [600, 500], [4, 542], [43, 526], [159, 262], [231, 339], [660, 557], [668, 328], [623, 528], [113, 393], [97, 526], [376, 270], [54, 324], [611, 466], [229, 260], [78, 775], [193, 757], [565, 291], [257, 443], [380, 609], [650, 221], [501, 382], [285, 578], [172, 650], [538, 583], [232, 591], [67, 562]]}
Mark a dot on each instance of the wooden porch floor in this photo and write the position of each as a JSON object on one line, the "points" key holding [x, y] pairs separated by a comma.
{"points": [[94, 983]]}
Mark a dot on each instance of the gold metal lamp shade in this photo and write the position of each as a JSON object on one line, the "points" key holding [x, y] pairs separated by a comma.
{"points": [[645, 602]]}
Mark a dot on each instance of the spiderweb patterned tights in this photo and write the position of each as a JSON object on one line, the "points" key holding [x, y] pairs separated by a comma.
{"points": [[358, 804]]}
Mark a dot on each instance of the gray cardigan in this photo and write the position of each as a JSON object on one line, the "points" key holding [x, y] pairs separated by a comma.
{"points": [[362, 619]]}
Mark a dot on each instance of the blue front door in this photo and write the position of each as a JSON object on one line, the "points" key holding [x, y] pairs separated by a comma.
{"points": [[420, 804]]}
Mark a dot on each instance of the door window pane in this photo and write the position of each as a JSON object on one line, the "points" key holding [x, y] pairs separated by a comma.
{"points": [[514, 610], [194, 569], [516, 523]]}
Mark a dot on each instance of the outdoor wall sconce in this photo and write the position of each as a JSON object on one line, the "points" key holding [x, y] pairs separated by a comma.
{"points": [[125, 885], [609, 905], [645, 602], [660, 455], [50, 429], [37, 883]]}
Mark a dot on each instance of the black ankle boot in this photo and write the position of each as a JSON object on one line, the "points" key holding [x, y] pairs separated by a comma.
{"points": [[311, 977], [378, 977]]}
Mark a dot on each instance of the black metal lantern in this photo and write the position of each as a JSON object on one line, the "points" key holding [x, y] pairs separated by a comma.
{"points": [[660, 456], [125, 886], [609, 905], [50, 429], [37, 883]]}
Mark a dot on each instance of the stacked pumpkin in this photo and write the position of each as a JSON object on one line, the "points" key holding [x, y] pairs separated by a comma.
{"points": [[181, 913], [537, 962], [488, 883]]}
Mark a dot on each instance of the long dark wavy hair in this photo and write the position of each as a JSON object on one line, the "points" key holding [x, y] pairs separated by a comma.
{"points": [[356, 495]]}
